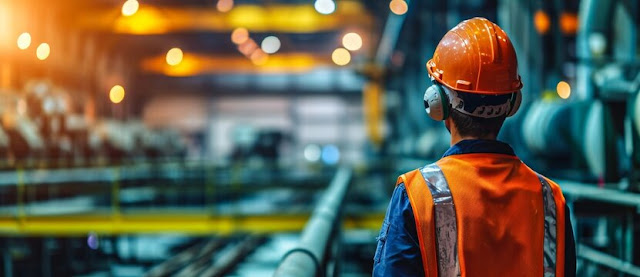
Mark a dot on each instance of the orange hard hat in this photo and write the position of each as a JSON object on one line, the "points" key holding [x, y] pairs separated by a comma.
{"points": [[476, 57]]}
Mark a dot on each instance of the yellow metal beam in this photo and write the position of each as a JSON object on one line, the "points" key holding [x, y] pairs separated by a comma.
{"points": [[185, 223], [195, 64], [301, 18]]}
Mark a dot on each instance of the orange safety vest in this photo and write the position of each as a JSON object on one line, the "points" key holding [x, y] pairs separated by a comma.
{"points": [[487, 215]]}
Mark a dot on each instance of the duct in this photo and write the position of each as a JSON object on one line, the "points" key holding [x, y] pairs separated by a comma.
{"points": [[583, 129], [543, 119]]}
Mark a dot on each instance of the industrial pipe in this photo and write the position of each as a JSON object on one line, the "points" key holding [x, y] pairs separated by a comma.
{"points": [[308, 257]]}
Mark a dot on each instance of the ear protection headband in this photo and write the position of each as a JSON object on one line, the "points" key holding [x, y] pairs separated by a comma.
{"points": [[437, 103]]}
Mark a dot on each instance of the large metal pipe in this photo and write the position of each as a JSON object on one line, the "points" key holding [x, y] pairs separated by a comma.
{"points": [[307, 258]]}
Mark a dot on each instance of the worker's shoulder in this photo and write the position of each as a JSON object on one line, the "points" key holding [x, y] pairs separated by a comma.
{"points": [[408, 177], [554, 186]]}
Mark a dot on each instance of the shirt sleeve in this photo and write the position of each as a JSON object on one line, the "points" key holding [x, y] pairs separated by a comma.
{"points": [[398, 252], [569, 246]]}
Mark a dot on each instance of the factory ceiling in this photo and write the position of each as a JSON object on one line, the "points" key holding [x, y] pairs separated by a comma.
{"points": [[103, 41]]}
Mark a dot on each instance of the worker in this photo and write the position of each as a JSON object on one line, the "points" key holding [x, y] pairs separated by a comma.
{"points": [[479, 210]]}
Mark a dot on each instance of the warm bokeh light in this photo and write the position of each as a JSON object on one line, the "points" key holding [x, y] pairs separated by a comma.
{"points": [[240, 35], [116, 95], [130, 7], [43, 51], [352, 41], [269, 19], [569, 23], [325, 6], [248, 47], [564, 90], [341, 56], [24, 41], [398, 7], [224, 5], [147, 21], [270, 44], [174, 56], [541, 22], [259, 57]]}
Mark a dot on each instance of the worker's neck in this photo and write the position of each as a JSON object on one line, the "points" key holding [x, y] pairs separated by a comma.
{"points": [[457, 137]]}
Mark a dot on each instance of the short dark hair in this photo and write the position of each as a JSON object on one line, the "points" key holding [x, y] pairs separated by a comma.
{"points": [[471, 126]]}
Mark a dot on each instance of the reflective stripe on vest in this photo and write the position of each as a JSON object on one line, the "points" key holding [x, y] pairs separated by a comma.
{"points": [[447, 230], [445, 221], [549, 228]]}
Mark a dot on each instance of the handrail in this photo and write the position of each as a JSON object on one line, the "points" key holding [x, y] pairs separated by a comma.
{"points": [[578, 191], [595, 256], [308, 257]]}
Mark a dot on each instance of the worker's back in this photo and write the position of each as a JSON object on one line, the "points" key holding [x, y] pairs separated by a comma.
{"points": [[499, 213], [497, 217]]}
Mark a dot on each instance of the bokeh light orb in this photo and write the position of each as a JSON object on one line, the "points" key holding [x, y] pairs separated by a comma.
{"points": [[174, 56], [24, 41], [325, 6], [224, 5], [43, 51], [240, 35], [398, 7], [130, 7], [597, 43], [312, 153], [270, 44], [259, 57], [352, 41], [330, 154], [93, 241], [564, 89], [541, 22], [341, 56], [116, 95]]}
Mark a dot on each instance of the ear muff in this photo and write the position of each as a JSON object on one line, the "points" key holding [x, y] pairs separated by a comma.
{"points": [[436, 102], [516, 99]]}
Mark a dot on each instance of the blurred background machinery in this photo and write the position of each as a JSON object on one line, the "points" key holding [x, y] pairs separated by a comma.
{"points": [[222, 137]]}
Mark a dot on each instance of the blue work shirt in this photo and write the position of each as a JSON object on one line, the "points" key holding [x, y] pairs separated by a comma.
{"points": [[398, 250]]}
